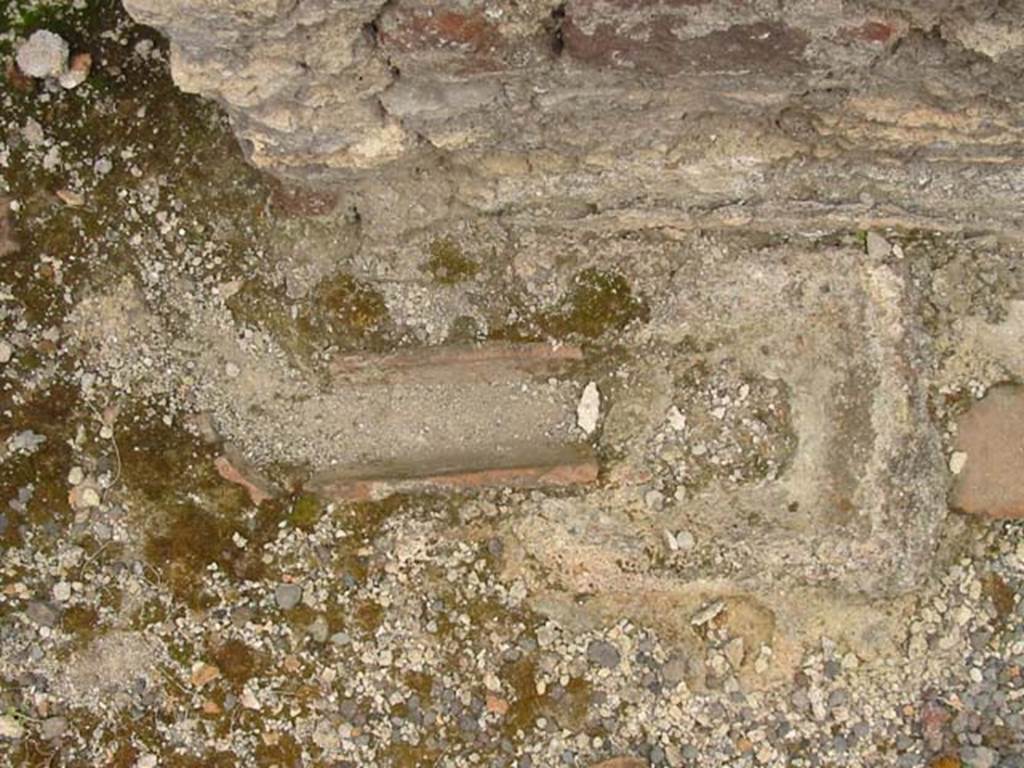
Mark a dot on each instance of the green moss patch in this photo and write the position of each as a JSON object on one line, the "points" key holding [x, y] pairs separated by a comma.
{"points": [[447, 264]]}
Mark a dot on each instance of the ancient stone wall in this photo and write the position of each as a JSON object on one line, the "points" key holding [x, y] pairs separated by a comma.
{"points": [[799, 111], [735, 162]]}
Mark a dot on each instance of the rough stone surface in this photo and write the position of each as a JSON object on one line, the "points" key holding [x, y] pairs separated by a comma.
{"points": [[989, 436], [588, 410], [43, 614], [287, 596], [44, 54], [668, 109], [791, 289]]}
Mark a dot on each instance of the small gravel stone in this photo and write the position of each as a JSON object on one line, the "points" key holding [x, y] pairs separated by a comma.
{"points": [[603, 654], [6, 352], [685, 541], [676, 419], [674, 670], [90, 498], [878, 246], [61, 591], [77, 73], [707, 613], [734, 652], [319, 630], [957, 462], [53, 727], [26, 440], [589, 408], [979, 757], [42, 614], [44, 54], [287, 596], [10, 728]]}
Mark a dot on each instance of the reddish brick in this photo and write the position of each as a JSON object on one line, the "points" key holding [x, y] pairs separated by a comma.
{"points": [[236, 470], [541, 466], [991, 482], [934, 718], [656, 43], [293, 200], [496, 704], [871, 31], [468, 34]]}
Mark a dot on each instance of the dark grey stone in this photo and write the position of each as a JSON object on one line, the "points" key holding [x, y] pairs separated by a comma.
{"points": [[603, 653]]}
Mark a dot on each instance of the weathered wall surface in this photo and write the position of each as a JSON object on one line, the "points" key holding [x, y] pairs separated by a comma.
{"points": [[801, 109], [720, 155]]}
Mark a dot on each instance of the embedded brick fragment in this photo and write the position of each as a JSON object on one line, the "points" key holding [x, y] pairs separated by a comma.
{"points": [[233, 468], [991, 479], [665, 38], [531, 467]]}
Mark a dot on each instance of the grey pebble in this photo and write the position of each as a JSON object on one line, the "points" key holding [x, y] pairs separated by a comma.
{"points": [[53, 727], [287, 596], [838, 698], [318, 630], [603, 654], [800, 700], [26, 440], [44, 54], [674, 671], [979, 757], [242, 616], [42, 614]]}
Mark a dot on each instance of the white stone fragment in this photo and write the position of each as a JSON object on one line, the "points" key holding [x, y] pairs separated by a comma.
{"points": [[249, 700], [670, 541], [957, 461], [685, 540], [878, 246], [676, 419], [707, 613], [10, 728], [589, 409], [72, 78], [44, 54], [61, 591]]}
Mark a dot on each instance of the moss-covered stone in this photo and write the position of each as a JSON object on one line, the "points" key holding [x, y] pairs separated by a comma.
{"points": [[448, 265], [306, 510], [597, 302]]}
